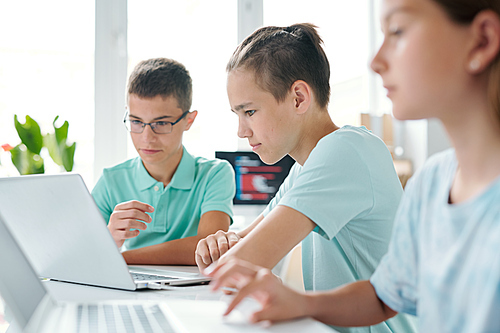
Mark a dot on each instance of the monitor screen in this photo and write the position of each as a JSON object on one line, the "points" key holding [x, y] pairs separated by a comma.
{"points": [[256, 182]]}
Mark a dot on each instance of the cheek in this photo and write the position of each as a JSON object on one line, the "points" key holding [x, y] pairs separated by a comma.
{"points": [[135, 139]]}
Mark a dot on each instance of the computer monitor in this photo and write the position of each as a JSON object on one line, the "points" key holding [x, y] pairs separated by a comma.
{"points": [[256, 182]]}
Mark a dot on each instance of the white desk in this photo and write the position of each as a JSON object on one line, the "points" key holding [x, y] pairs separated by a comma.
{"points": [[79, 293]]}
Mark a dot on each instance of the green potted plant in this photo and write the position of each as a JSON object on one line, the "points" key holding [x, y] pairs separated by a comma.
{"points": [[26, 155]]}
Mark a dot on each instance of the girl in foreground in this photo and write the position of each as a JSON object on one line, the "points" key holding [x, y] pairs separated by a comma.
{"points": [[440, 59]]}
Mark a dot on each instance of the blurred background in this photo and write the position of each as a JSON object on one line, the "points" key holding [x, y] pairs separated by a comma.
{"points": [[72, 58]]}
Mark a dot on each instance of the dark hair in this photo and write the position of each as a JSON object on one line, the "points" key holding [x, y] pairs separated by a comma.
{"points": [[279, 56], [163, 77], [464, 12]]}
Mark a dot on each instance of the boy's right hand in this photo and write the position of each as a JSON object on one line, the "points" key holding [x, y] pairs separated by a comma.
{"points": [[211, 248], [126, 216]]}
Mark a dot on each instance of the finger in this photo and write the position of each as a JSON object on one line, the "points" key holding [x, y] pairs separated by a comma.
{"points": [[134, 204], [203, 251], [225, 273], [233, 239], [252, 287], [128, 234], [212, 254], [262, 315], [222, 244], [271, 313], [200, 263], [131, 214], [129, 224]]}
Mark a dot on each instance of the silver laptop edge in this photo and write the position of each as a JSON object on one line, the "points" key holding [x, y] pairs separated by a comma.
{"points": [[62, 232]]}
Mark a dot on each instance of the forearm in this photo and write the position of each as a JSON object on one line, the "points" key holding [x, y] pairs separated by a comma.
{"points": [[252, 226], [273, 238], [355, 304], [179, 251], [175, 252]]}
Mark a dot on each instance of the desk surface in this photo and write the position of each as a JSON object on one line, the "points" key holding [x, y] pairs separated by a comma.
{"points": [[69, 292]]}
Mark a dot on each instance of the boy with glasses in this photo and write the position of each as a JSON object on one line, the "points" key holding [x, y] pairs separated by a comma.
{"points": [[161, 203]]}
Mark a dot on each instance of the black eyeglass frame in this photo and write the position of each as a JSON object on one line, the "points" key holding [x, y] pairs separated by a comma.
{"points": [[153, 124]]}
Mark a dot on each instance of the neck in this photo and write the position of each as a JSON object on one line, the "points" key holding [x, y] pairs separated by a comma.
{"points": [[475, 134], [318, 124], [163, 172]]}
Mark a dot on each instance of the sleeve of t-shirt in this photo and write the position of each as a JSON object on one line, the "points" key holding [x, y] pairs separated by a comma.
{"points": [[333, 186], [396, 278], [220, 190], [101, 197]]}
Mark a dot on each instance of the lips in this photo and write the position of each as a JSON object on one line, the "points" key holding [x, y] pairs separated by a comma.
{"points": [[390, 90], [150, 151], [255, 147]]}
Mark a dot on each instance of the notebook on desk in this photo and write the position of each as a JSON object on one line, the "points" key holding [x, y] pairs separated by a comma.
{"points": [[62, 232], [34, 310]]}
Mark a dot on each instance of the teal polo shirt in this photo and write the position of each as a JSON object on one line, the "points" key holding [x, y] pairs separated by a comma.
{"points": [[199, 185]]}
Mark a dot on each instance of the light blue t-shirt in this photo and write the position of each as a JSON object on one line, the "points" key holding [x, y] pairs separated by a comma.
{"points": [[348, 187], [443, 262], [198, 186]]}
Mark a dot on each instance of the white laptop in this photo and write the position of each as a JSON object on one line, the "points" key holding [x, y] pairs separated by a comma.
{"points": [[62, 232], [34, 310]]}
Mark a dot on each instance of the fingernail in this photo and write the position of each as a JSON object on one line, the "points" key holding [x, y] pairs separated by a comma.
{"points": [[151, 209]]}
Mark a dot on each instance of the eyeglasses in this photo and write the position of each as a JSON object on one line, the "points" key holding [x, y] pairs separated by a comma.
{"points": [[159, 127]]}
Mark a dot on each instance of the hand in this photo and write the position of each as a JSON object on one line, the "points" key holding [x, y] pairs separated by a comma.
{"points": [[278, 301], [211, 248], [126, 216]]}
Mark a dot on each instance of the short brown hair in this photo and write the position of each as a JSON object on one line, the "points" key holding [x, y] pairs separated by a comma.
{"points": [[464, 12], [162, 77], [279, 56]]}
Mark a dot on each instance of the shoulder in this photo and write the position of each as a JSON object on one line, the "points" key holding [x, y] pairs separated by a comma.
{"points": [[123, 168], [351, 140], [434, 177], [440, 160], [437, 167], [350, 145]]}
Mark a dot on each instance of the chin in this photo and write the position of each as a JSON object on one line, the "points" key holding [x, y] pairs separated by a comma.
{"points": [[270, 160], [405, 114]]}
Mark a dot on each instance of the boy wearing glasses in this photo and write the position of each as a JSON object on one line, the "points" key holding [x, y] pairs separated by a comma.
{"points": [[161, 203]]}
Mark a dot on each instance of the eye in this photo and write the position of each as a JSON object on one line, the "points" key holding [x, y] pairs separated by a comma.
{"points": [[136, 122], [162, 123], [250, 113], [395, 30]]}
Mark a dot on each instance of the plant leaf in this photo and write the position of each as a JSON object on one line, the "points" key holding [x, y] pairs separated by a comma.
{"points": [[68, 156], [30, 134], [61, 132], [25, 161], [50, 141]]}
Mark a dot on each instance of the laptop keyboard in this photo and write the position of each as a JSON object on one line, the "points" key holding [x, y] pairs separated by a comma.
{"points": [[149, 277], [117, 318]]}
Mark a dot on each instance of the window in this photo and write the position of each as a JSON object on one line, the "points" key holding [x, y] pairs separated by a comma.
{"points": [[344, 28], [202, 35], [47, 69]]}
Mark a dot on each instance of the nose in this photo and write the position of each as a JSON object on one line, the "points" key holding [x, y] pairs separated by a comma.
{"points": [[243, 129], [148, 134], [378, 63]]}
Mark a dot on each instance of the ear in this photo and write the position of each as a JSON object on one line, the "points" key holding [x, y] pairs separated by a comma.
{"points": [[191, 116], [302, 96], [486, 45]]}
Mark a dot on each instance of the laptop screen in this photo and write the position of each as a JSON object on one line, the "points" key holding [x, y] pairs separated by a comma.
{"points": [[20, 287]]}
